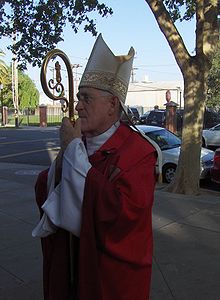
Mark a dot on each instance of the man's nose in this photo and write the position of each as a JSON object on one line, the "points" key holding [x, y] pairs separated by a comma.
{"points": [[79, 105]]}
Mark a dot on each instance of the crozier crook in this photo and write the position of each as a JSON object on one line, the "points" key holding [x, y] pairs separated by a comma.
{"points": [[67, 105]]}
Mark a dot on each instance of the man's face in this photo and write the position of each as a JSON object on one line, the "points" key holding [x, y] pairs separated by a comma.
{"points": [[97, 109]]}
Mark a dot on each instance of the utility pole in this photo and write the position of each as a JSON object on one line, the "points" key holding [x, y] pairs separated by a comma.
{"points": [[76, 66], [15, 83], [179, 90], [133, 74], [132, 71], [1, 99]]}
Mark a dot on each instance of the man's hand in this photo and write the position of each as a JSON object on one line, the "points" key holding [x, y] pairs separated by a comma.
{"points": [[68, 132]]}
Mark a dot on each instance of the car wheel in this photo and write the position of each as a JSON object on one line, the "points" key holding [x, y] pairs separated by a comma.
{"points": [[168, 172]]}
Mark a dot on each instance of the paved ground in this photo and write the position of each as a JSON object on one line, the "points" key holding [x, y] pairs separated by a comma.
{"points": [[186, 241], [187, 247]]}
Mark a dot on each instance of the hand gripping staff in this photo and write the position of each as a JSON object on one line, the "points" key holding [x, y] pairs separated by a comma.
{"points": [[58, 93]]}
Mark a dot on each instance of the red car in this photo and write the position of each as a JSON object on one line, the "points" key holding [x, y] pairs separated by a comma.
{"points": [[215, 170]]}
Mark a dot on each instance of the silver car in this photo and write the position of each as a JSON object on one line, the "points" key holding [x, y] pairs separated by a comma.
{"points": [[211, 136], [170, 144]]}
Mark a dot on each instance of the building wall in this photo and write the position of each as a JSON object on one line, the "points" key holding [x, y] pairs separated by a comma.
{"points": [[145, 95]]}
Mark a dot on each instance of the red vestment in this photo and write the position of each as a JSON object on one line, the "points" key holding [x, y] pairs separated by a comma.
{"points": [[115, 252]]}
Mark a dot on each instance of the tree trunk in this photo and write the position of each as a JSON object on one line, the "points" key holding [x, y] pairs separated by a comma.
{"points": [[195, 71], [187, 175]]}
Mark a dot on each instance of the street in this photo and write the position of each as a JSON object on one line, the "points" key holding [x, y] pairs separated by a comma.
{"points": [[36, 146], [39, 146]]}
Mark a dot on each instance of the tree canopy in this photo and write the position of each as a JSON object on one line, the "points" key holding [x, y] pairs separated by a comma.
{"points": [[175, 8], [3, 68], [28, 94], [37, 26]]}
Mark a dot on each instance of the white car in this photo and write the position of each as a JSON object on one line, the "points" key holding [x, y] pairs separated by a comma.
{"points": [[211, 136], [170, 144]]}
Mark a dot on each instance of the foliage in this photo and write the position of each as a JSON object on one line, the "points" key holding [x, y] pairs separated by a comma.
{"points": [[3, 69], [37, 26], [7, 90], [28, 94], [176, 11], [213, 99]]}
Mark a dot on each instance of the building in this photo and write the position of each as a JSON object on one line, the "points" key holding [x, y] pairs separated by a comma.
{"points": [[145, 95]]}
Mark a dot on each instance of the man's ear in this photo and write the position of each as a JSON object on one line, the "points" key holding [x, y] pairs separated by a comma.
{"points": [[114, 105]]}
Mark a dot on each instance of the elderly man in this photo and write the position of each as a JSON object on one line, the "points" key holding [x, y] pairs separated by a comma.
{"points": [[96, 220]]}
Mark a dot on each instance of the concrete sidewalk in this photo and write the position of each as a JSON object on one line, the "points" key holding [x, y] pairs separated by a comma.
{"points": [[186, 247], [186, 241]]}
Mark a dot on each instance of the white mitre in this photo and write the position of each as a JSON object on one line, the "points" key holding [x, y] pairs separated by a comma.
{"points": [[107, 71]]}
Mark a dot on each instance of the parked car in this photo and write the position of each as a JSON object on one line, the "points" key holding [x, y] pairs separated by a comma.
{"points": [[211, 136], [135, 114], [215, 170], [143, 118], [158, 118], [135, 111], [131, 116], [170, 144]]}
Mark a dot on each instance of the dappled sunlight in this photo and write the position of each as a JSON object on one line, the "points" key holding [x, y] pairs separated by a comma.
{"points": [[194, 109], [170, 234], [52, 150], [52, 155], [209, 41]]}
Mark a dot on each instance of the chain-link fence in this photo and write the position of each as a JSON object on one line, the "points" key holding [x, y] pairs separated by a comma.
{"points": [[53, 116], [31, 116]]}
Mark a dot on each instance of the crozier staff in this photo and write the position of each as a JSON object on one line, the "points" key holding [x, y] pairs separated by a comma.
{"points": [[104, 197]]}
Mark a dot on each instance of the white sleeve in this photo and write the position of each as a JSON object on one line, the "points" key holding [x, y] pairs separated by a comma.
{"points": [[64, 203], [44, 228]]}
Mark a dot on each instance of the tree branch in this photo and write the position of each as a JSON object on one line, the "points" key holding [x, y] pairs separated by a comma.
{"points": [[170, 32], [206, 23]]}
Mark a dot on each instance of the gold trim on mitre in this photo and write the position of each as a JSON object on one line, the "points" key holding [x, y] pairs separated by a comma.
{"points": [[108, 72]]}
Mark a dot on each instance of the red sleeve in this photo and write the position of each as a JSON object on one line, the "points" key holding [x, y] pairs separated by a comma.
{"points": [[41, 189], [122, 210]]}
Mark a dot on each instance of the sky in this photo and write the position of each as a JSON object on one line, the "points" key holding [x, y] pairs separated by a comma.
{"points": [[130, 25]]}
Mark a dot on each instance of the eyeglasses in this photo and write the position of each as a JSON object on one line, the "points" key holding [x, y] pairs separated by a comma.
{"points": [[87, 99]]}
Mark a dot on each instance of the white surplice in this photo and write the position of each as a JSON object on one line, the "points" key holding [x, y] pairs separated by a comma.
{"points": [[64, 203]]}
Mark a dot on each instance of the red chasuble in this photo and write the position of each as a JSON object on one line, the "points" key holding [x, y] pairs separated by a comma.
{"points": [[115, 252]]}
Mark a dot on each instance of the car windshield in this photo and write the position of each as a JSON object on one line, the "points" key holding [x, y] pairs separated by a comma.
{"points": [[164, 138], [156, 116]]}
